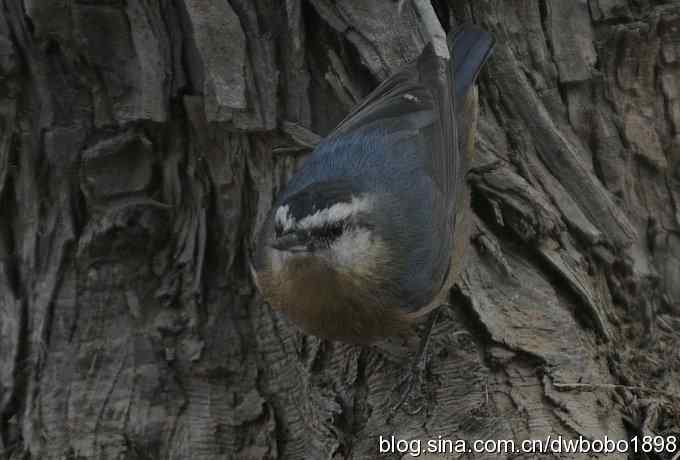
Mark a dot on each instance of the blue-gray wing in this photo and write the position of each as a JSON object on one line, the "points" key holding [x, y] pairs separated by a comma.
{"points": [[415, 101], [422, 100]]}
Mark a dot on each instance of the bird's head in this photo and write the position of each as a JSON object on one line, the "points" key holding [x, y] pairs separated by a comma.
{"points": [[331, 224], [322, 246]]}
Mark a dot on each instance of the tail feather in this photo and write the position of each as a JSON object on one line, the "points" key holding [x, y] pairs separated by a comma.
{"points": [[471, 47]]}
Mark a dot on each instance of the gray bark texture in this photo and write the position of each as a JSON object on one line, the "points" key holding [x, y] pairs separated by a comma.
{"points": [[143, 141]]}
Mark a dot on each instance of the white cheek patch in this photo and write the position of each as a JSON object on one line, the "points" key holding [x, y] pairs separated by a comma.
{"points": [[283, 218], [336, 213], [357, 250]]}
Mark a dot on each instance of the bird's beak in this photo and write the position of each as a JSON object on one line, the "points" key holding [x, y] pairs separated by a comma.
{"points": [[290, 242]]}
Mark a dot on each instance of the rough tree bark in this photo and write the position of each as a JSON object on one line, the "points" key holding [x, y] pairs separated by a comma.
{"points": [[142, 142]]}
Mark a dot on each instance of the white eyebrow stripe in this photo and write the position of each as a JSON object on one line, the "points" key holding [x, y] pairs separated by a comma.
{"points": [[335, 213], [283, 217]]}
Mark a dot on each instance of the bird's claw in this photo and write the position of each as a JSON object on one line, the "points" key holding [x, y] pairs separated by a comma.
{"points": [[415, 376]]}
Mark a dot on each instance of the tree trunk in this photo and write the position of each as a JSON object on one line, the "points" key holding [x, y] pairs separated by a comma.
{"points": [[142, 143]]}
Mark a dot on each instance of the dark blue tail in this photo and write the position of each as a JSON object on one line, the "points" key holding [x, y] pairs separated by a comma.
{"points": [[471, 46]]}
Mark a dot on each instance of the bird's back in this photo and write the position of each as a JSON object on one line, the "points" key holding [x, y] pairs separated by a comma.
{"points": [[392, 134], [386, 146]]}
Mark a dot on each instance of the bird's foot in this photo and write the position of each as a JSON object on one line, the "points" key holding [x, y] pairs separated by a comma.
{"points": [[415, 375]]}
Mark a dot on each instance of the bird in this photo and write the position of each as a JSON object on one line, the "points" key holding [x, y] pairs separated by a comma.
{"points": [[368, 235]]}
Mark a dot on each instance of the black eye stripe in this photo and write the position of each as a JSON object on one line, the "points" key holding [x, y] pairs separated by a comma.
{"points": [[331, 229], [328, 232]]}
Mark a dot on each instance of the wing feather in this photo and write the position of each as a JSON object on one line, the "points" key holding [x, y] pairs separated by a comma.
{"points": [[430, 96]]}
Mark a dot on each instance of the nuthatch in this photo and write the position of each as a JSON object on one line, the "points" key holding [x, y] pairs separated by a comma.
{"points": [[366, 236]]}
